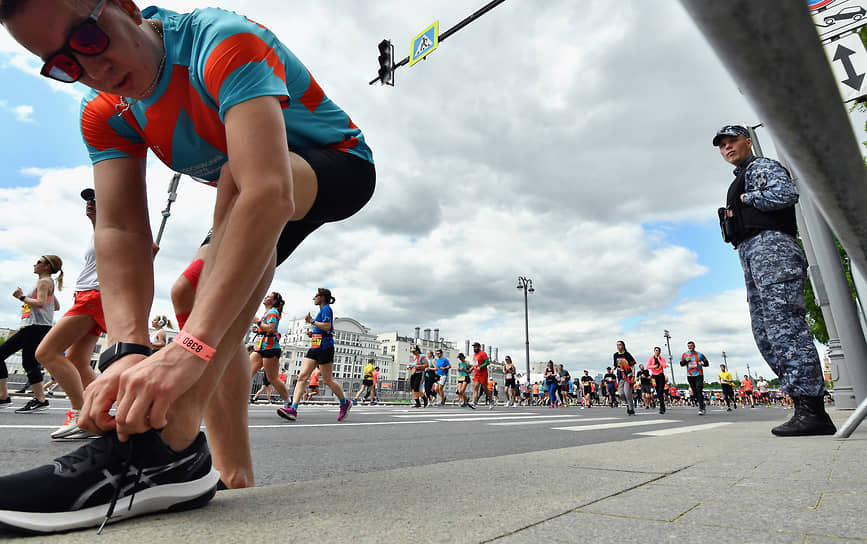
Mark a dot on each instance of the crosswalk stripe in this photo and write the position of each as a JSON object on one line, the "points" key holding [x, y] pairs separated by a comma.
{"points": [[680, 430], [602, 426], [552, 421]]}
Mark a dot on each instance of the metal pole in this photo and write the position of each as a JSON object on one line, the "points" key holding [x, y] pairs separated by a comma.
{"points": [[527, 333], [840, 299], [173, 195], [670, 360]]}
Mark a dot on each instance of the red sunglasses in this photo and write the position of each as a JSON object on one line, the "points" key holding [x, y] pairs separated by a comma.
{"points": [[87, 38]]}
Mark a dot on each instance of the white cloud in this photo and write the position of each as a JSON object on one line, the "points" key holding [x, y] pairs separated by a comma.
{"points": [[24, 113], [537, 141]]}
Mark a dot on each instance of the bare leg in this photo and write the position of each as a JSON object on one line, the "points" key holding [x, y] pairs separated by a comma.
{"points": [[301, 384], [225, 421], [255, 364], [272, 371], [329, 380], [227, 424], [68, 331]]}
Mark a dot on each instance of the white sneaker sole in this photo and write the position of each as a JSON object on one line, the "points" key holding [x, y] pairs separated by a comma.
{"points": [[155, 499], [65, 431]]}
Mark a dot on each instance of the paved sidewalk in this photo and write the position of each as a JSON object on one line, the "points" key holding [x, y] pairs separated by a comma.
{"points": [[733, 483]]}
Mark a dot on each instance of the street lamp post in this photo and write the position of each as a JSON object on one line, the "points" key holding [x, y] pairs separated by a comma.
{"points": [[670, 360], [527, 285]]}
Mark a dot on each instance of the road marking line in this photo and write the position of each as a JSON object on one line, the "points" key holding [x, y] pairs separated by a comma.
{"points": [[496, 417], [688, 429], [602, 426], [470, 414], [289, 425], [29, 426], [553, 421]]}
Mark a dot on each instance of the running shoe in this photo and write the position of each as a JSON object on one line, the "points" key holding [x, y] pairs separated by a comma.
{"points": [[471, 405], [701, 412], [344, 411], [81, 435], [5, 402], [287, 412], [91, 485], [33, 405], [69, 425]]}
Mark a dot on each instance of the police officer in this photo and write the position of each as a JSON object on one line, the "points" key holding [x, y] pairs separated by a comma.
{"points": [[759, 221]]}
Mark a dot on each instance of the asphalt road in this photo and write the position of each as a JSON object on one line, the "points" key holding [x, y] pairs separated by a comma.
{"points": [[375, 438]]}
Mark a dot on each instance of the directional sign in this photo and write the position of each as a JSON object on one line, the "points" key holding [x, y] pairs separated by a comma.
{"points": [[835, 17], [848, 60], [424, 43]]}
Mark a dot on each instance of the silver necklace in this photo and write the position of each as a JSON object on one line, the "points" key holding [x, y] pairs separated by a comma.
{"points": [[156, 79]]}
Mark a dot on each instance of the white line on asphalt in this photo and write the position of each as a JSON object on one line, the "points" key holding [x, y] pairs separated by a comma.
{"points": [[602, 426], [28, 426], [535, 419], [688, 429], [472, 415], [553, 421], [342, 424]]}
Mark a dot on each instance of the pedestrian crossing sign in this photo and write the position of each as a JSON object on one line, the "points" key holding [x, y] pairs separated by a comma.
{"points": [[424, 43]]}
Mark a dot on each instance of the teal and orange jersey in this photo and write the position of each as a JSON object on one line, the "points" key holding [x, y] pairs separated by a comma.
{"points": [[265, 340], [215, 59]]}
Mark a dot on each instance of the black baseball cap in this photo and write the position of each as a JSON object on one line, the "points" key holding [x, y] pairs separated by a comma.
{"points": [[730, 130], [88, 194], [476, 344]]}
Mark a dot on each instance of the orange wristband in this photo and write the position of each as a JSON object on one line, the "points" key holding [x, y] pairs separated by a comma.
{"points": [[195, 346]]}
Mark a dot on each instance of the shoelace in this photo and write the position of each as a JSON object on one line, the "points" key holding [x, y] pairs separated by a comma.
{"points": [[121, 483]]}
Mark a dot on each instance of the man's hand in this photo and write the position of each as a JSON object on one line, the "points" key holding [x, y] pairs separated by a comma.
{"points": [[147, 390], [100, 395]]}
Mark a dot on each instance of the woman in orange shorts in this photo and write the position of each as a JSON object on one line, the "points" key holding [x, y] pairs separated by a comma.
{"points": [[66, 349]]}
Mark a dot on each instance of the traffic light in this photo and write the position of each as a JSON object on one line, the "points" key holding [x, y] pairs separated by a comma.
{"points": [[386, 63]]}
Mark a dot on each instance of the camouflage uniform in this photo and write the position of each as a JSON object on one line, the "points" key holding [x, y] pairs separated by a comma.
{"points": [[775, 271]]}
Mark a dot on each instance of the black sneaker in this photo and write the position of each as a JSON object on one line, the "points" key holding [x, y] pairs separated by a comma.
{"points": [[6, 402], [33, 405], [106, 481]]}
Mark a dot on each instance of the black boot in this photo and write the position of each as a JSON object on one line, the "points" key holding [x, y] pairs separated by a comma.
{"points": [[810, 419]]}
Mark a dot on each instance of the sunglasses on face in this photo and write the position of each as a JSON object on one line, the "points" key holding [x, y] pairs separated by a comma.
{"points": [[86, 38]]}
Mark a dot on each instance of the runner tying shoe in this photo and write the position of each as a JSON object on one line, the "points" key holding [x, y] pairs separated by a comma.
{"points": [[320, 355], [218, 97]]}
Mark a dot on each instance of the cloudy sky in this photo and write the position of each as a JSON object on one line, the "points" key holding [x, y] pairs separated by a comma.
{"points": [[564, 141]]}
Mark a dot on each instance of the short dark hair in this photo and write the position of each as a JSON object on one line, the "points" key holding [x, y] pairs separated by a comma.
{"points": [[8, 8]]}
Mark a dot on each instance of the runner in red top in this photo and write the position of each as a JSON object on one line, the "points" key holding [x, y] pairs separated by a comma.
{"points": [[480, 374]]}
